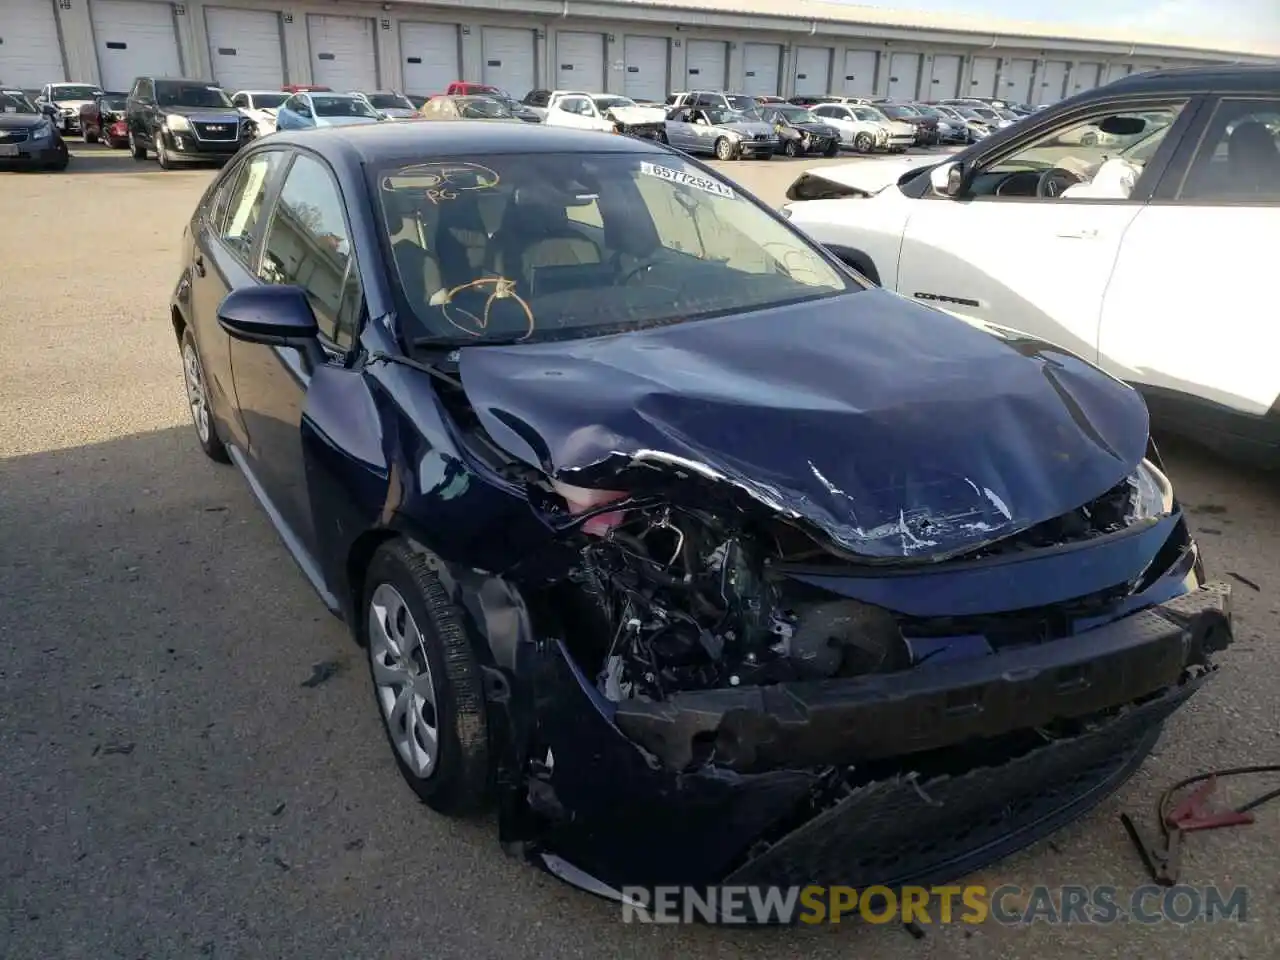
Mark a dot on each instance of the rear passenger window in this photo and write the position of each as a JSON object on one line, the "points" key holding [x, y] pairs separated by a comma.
{"points": [[1239, 157], [308, 244], [238, 208]]}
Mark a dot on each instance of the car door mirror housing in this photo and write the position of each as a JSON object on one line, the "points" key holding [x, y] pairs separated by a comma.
{"points": [[947, 179], [274, 315]]}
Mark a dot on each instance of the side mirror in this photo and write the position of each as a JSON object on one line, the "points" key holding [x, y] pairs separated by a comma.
{"points": [[947, 179], [275, 315]]}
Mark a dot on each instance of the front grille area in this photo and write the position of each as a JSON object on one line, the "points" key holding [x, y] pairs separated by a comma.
{"points": [[762, 136], [217, 131], [13, 136]]}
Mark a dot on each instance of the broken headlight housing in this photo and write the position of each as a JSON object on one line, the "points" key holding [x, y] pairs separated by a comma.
{"points": [[1152, 493]]}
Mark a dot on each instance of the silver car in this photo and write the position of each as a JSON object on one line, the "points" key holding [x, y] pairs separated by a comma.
{"points": [[725, 134]]}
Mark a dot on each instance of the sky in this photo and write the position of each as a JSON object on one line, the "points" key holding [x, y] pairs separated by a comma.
{"points": [[1256, 22]]}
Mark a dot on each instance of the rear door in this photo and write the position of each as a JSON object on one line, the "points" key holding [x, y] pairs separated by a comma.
{"points": [[306, 242], [1191, 306], [229, 232]]}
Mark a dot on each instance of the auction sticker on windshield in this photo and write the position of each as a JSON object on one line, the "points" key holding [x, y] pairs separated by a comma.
{"points": [[685, 179]]}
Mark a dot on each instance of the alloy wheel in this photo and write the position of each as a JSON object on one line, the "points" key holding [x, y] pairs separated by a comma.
{"points": [[402, 680], [197, 396]]}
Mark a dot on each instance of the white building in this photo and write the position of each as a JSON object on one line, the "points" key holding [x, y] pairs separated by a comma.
{"points": [[639, 48]]}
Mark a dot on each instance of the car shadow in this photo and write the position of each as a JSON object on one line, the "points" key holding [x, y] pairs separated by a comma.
{"points": [[99, 158]]}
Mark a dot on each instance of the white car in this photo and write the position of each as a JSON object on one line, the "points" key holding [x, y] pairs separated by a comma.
{"points": [[1145, 255], [606, 112], [864, 128], [260, 106]]}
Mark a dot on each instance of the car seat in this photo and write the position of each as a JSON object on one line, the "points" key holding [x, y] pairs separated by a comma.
{"points": [[536, 235], [1254, 159]]}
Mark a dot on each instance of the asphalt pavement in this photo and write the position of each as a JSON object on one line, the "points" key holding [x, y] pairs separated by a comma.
{"points": [[192, 763]]}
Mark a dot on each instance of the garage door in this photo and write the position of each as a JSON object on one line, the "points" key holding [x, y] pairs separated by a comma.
{"points": [[761, 65], [1017, 80], [30, 54], [1086, 77], [813, 70], [707, 64], [982, 83], [245, 48], [134, 38], [429, 52], [579, 61], [343, 56], [944, 78], [1052, 85], [509, 59], [860, 73], [1116, 70], [646, 60], [904, 75]]}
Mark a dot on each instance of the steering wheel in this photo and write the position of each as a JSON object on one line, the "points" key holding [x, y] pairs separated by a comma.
{"points": [[1055, 180]]}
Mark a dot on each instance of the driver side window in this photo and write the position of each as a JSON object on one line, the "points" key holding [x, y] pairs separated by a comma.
{"points": [[1098, 157]]}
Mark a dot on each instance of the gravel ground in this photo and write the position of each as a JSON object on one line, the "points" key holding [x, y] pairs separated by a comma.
{"points": [[181, 778]]}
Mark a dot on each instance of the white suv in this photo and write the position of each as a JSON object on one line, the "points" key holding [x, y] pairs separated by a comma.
{"points": [[1136, 225]]}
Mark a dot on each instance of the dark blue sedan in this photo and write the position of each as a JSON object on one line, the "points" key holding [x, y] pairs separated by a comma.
{"points": [[702, 557]]}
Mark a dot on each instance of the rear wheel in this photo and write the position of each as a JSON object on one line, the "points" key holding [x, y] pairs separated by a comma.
{"points": [[427, 682], [864, 142], [198, 400]]}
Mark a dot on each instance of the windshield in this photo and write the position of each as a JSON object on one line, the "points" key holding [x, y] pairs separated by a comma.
{"points": [[268, 101], [190, 95], [326, 106], [115, 103], [797, 114], [483, 108], [390, 101], [985, 114], [739, 102], [562, 245], [1007, 115], [719, 115], [76, 91], [604, 103], [896, 111], [928, 111], [869, 113], [15, 101]]}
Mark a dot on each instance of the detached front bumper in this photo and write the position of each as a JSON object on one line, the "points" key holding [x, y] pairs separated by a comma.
{"points": [[758, 148], [913, 777]]}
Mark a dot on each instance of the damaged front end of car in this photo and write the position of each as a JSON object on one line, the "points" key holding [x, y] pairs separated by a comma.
{"points": [[826, 627]]}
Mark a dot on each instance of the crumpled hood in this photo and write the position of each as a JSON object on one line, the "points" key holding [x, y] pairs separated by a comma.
{"points": [[871, 177], [748, 128], [637, 114], [894, 429]]}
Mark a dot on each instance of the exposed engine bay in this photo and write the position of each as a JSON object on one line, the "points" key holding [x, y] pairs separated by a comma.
{"points": [[689, 601], [690, 605]]}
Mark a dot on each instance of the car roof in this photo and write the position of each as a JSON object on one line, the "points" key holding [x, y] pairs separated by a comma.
{"points": [[1213, 78], [196, 80], [381, 143]]}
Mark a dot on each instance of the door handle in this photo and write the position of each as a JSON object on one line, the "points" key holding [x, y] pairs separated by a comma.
{"points": [[1084, 233], [199, 265]]}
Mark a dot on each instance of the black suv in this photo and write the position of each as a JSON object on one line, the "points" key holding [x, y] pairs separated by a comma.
{"points": [[181, 120]]}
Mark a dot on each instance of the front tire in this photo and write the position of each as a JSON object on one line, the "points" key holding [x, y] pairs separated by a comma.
{"points": [[90, 136], [137, 150], [162, 153], [864, 143], [427, 682], [791, 148], [725, 150], [833, 150], [197, 385]]}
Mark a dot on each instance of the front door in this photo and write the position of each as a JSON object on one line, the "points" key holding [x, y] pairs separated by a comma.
{"points": [[1034, 243], [308, 243], [1190, 307]]}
